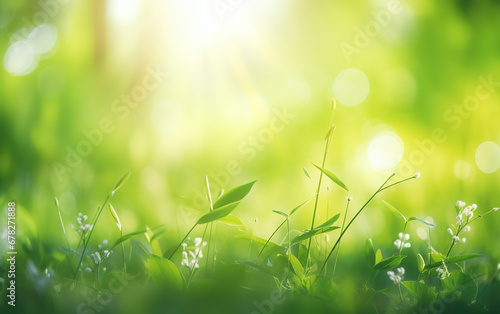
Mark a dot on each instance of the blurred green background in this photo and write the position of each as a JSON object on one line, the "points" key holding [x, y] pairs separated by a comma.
{"points": [[171, 91]]}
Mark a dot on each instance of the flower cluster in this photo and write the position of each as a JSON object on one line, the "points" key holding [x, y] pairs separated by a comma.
{"points": [[398, 276], [464, 212], [402, 242], [101, 254], [443, 271], [190, 256], [82, 228]]}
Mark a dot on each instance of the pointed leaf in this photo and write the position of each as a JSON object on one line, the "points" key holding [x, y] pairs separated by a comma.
{"points": [[420, 262], [430, 224], [378, 256], [389, 262], [329, 222], [307, 173], [300, 206], [120, 183], [279, 212], [218, 213], [312, 233], [394, 210], [234, 195], [234, 221], [164, 272], [329, 132], [115, 216], [333, 177], [369, 252], [296, 266], [453, 259]]}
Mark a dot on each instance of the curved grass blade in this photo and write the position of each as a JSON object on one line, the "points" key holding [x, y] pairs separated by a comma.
{"points": [[279, 212], [430, 224], [233, 221], [218, 213], [453, 259], [234, 195], [119, 183], [332, 177], [115, 216], [389, 262], [312, 233], [300, 206], [329, 222], [394, 210], [165, 273]]}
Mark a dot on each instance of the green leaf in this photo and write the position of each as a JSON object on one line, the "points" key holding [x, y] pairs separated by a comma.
{"points": [[420, 262], [115, 216], [307, 174], [369, 252], [312, 233], [453, 259], [329, 132], [120, 183], [126, 237], [389, 262], [234, 195], [300, 206], [333, 177], [218, 213], [234, 221], [297, 266], [329, 222], [422, 293], [394, 210], [164, 272], [279, 212], [378, 256], [422, 221], [460, 286], [133, 234]]}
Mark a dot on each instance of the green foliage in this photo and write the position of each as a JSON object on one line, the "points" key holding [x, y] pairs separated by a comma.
{"points": [[165, 273]]}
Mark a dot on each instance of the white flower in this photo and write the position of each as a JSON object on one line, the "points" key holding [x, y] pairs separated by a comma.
{"points": [[455, 238], [417, 175], [460, 205], [349, 199], [495, 209], [450, 231], [396, 277], [104, 242], [466, 229], [88, 270], [402, 241], [463, 240], [197, 241], [443, 271]]}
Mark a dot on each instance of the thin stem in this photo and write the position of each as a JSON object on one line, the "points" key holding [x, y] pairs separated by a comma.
{"points": [[327, 148], [253, 230], [123, 255], [400, 296], [272, 235], [182, 241], [65, 235], [86, 243], [352, 220], [404, 229], [289, 241], [343, 224]]}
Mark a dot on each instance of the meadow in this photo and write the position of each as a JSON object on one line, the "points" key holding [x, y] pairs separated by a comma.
{"points": [[249, 157]]}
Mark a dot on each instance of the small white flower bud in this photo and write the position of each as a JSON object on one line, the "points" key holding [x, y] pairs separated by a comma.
{"points": [[417, 175], [495, 209], [463, 240], [467, 229], [450, 231]]}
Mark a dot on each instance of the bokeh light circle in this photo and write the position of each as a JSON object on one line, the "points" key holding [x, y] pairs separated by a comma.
{"points": [[385, 151], [351, 87], [42, 38], [19, 58], [488, 157]]}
